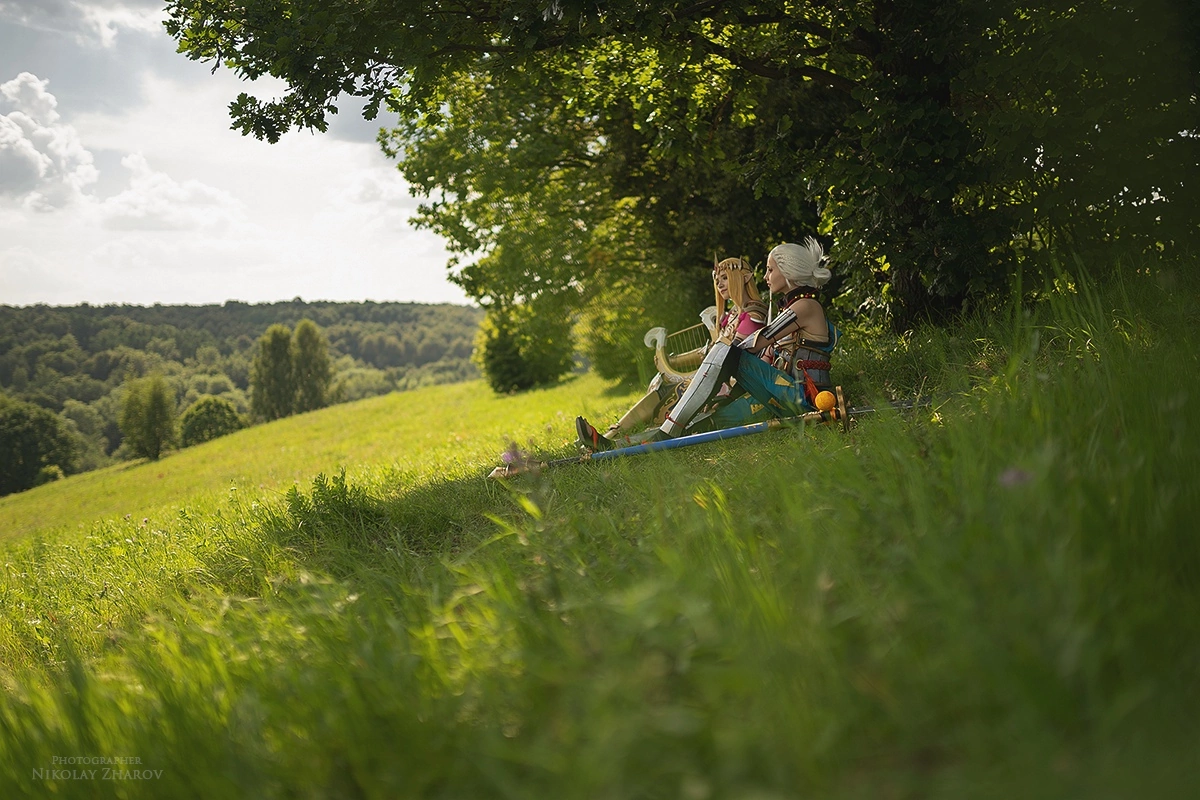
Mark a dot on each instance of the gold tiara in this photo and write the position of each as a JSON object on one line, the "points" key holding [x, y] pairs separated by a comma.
{"points": [[731, 263]]}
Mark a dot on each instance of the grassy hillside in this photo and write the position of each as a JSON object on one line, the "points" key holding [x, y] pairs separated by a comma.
{"points": [[996, 598], [435, 431]]}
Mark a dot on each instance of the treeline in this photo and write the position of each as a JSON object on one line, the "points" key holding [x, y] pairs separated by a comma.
{"points": [[79, 363]]}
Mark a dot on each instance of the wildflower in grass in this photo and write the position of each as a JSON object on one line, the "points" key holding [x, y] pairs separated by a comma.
{"points": [[514, 455]]}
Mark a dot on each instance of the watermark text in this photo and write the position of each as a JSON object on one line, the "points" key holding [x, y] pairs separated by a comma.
{"points": [[95, 768]]}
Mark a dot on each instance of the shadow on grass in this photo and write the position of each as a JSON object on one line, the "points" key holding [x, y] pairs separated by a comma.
{"points": [[337, 525], [342, 528]]}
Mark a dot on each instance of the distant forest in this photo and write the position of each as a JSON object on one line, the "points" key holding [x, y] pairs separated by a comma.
{"points": [[74, 360]]}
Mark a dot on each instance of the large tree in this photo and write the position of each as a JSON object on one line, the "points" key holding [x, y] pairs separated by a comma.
{"points": [[291, 371], [931, 142], [311, 369], [272, 385], [148, 417]]}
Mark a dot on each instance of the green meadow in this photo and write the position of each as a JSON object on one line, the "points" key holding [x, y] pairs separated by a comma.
{"points": [[996, 596], [443, 430]]}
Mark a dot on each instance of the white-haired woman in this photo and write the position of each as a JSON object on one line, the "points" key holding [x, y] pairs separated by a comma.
{"points": [[793, 352], [804, 347]]}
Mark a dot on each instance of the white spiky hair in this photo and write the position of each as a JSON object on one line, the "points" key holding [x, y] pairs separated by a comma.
{"points": [[801, 263]]}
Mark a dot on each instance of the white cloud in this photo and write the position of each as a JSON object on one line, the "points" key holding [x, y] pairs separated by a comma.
{"points": [[330, 217], [43, 164], [53, 14], [155, 201], [21, 165], [106, 21], [29, 96], [21, 267]]}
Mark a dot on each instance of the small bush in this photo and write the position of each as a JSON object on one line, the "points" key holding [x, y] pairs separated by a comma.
{"points": [[518, 348], [207, 419], [49, 474]]}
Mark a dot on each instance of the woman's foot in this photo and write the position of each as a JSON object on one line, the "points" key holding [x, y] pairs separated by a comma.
{"points": [[589, 437]]}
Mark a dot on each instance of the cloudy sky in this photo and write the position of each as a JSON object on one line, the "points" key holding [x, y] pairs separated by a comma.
{"points": [[121, 181]]}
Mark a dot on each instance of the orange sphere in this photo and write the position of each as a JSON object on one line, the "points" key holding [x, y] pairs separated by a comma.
{"points": [[826, 401]]}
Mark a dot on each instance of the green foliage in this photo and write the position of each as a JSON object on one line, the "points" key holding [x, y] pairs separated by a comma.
{"points": [[89, 425], [148, 417], [207, 419], [361, 382], [613, 326], [87, 420], [936, 145], [272, 383], [570, 203], [35, 446], [311, 370], [49, 474], [292, 372], [75, 360], [518, 349]]}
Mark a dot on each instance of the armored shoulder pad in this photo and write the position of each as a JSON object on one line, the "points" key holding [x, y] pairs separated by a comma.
{"points": [[756, 309]]}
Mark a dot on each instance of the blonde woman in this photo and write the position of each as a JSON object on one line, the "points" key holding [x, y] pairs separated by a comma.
{"points": [[744, 313]]}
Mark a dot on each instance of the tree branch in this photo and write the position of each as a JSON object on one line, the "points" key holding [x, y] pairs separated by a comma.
{"points": [[809, 27], [697, 8], [484, 49], [770, 70]]}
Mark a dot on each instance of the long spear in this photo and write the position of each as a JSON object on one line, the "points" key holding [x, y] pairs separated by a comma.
{"points": [[838, 413]]}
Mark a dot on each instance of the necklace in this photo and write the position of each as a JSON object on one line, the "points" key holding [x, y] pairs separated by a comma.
{"points": [[801, 292]]}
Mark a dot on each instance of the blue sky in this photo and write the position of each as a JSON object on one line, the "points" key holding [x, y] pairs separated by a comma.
{"points": [[121, 181]]}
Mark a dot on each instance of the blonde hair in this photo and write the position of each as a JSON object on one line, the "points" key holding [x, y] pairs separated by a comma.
{"points": [[740, 292], [801, 264]]}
